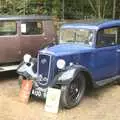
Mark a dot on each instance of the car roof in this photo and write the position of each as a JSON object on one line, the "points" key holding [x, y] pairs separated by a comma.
{"points": [[93, 25], [29, 17]]}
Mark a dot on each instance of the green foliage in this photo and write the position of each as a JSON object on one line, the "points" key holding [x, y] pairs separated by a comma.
{"points": [[77, 9]]}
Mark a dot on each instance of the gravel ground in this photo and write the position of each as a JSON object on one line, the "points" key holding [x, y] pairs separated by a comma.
{"points": [[98, 104]]}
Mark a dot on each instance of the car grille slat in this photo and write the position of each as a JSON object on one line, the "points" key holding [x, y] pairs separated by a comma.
{"points": [[44, 68]]}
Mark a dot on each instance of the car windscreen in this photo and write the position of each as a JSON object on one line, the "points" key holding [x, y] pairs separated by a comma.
{"points": [[76, 35]]}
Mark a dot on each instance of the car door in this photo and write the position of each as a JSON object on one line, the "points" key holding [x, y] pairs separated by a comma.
{"points": [[9, 42], [105, 57], [32, 36], [118, 50]]}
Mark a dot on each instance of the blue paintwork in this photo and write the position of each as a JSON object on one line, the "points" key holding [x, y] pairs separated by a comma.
{"points": [[67, 49], [101, 63], [94, 25]]}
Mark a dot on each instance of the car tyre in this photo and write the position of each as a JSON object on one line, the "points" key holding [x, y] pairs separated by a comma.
{"points": [[72, 93]]}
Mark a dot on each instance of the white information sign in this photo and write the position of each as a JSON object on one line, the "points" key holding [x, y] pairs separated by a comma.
{"points": [[23, 28], [52, 100]]}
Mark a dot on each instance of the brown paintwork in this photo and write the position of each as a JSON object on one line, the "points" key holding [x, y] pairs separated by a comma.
{"points": [[13, 47]]}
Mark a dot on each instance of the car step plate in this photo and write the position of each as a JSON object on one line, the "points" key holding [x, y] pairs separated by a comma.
{"points": [[8, 68]]}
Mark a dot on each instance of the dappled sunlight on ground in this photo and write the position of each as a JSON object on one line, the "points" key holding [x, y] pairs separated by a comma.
{"points": [[99, 104]]}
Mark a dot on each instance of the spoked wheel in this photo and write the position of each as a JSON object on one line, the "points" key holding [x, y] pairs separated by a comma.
{"points": [[73, 93]]}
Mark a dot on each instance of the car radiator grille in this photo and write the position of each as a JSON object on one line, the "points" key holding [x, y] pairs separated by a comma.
{"points": [[44, 68]]}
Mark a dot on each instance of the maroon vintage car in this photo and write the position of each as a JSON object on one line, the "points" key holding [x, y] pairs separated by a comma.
{"points": [[23, 34]]}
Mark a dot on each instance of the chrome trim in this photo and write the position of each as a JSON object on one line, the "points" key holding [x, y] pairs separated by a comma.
{"points": [[46, 51]]}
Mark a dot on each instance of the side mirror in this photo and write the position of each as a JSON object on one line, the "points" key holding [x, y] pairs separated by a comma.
{"points": [[27, 58]]}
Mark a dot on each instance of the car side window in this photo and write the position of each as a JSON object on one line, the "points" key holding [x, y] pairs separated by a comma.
{"points": [[31, 28], [8, 28], [106, 37]]}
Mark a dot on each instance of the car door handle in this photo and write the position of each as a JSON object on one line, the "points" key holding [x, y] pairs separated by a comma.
{"points": [[118, 50]]}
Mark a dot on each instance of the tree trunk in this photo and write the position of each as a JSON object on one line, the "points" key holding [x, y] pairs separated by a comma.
{"points": [[104, 9], [114, 8], [92, 6], [99, 8]]}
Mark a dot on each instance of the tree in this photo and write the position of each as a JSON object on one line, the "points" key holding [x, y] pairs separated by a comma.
{"points": [[114, 8], [98, 7], [76, 9]]}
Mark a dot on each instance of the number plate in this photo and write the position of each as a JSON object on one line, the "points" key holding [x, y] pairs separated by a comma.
{"points": [[39, 92], [36, 93]]}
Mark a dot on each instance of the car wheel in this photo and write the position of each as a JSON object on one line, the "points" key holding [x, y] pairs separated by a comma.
{"points": [[72, 94]]}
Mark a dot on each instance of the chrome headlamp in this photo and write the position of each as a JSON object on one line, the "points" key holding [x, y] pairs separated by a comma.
{"points": [[27, 58], [61, 64]]}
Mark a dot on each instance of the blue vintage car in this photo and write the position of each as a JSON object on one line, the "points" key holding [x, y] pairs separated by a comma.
{"points": [[87, 54]]}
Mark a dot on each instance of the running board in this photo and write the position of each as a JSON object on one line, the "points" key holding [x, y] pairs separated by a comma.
{"points": [[106, 81], [8, 68]]}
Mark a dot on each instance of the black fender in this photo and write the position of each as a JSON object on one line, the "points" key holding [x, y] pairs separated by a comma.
{"points": [[66, 76]]}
